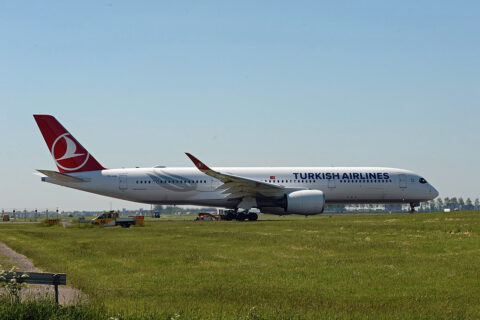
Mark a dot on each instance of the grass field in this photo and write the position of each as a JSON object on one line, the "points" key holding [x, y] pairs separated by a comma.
{"points": [[396, 266], [5, 262]]}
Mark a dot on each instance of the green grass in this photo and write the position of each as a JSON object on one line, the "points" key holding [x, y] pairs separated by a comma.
{"points": [[396, 266], [5, 262], [46, 310]]}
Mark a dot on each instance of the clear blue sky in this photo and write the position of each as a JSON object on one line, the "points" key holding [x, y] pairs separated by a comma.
{"points": [[241, 83]]}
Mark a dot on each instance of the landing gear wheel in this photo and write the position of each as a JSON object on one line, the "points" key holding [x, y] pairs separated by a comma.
{"points": [[412, 208], [241, 216], [252, 216], [230, 216]]}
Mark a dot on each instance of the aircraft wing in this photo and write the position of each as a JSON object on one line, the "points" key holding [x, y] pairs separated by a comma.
{"points": [[239, 187]]}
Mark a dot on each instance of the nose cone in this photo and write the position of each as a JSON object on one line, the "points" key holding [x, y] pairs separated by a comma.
{"points": [[433, 192]]}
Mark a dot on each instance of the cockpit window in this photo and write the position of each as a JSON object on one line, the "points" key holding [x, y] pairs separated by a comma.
{"points": [[422, 180]]}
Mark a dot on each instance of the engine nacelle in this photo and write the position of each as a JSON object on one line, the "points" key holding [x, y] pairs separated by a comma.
{"points": [[305, 202]]}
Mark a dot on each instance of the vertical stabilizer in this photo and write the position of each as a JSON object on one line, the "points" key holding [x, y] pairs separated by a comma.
{"points": [[67, 152]]}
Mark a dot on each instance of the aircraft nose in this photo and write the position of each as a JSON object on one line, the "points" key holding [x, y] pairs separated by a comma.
{"points": [[433, 192]]}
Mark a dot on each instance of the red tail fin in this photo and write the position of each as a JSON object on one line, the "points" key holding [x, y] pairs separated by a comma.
{"points": [[67, 152]]}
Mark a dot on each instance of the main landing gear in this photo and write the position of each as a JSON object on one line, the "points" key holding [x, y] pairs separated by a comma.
{"points": [[241, 216]]}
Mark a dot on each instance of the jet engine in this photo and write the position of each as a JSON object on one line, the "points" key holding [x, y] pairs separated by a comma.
{"points": [[304, 202]]}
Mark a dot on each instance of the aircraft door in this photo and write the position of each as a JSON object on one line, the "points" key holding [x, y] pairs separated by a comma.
{"points": [[402, 181], [122, 182]]}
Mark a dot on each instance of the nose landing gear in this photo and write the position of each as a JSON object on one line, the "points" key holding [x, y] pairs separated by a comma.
{"points": [[413, 205]]}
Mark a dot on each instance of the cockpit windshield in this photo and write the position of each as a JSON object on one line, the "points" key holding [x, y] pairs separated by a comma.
{"points": [[422, 180]]}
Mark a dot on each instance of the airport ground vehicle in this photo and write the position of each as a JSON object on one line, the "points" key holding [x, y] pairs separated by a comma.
{"points": [[111, 218], [5, 217], [205, 216]]}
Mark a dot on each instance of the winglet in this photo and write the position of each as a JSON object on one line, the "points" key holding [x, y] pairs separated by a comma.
{"points": [[199, 164]]}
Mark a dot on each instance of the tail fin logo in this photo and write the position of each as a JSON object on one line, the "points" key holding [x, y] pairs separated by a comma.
{"points": [[68, 153]]}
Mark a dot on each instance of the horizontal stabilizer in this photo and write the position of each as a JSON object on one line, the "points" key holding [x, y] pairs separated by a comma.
{"points": [[60, 176]]}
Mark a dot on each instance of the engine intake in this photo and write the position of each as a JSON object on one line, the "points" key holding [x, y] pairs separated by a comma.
{"points": [[305, 202]]}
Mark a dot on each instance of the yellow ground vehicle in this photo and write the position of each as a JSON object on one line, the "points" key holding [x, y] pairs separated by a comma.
{"points": [[5, 217], [111, 218]]}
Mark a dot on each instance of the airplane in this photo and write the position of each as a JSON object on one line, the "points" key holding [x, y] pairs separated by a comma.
{"points": [[243, 190]]}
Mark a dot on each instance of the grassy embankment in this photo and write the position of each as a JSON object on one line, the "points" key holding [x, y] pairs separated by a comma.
{"points": [[5, 263], [343, 266]]}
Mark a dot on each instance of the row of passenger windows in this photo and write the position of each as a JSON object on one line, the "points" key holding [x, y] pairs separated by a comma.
{"points": [[270, 181], [171, 181], [365, 181], [341, 181]]}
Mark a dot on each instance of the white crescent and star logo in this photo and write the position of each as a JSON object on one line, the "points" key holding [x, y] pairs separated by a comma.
{"points": [[70, 153]]}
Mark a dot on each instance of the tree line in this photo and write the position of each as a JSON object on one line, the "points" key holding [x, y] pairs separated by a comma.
{"points": [[453, 203], [438, 204]]}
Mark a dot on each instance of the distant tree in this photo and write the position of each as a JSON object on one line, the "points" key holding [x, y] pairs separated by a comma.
{"points": [[461, 203], [468, 204], [446, 202], [426, 206], [431, 205], [453, 203], [439, 203], [422, 206], [477, 204]]}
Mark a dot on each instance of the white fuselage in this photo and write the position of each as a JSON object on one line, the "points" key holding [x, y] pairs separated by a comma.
{"points": [[189, 186]]}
